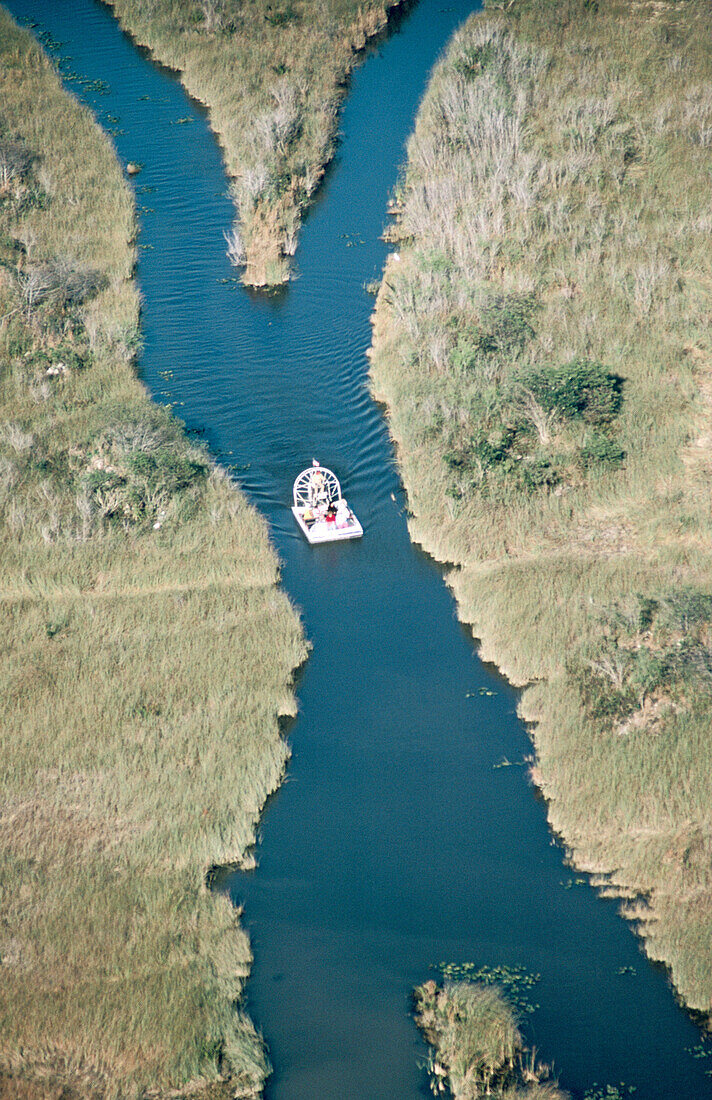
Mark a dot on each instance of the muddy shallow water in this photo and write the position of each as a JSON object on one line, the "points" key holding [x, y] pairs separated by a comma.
{"points": [[397, 842]]}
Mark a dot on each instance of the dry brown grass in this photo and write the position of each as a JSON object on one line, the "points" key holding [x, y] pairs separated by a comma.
{"points": [[146, 655], [477, 1048], [555, 208]]}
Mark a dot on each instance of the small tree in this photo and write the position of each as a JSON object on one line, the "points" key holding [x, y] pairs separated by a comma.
{"points": [[15, 162], [579, 390]]}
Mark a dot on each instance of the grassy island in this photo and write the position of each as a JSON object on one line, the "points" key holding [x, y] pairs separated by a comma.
{"points": [[477, 1048], [145, 658], [273, 76], [542, 341]]}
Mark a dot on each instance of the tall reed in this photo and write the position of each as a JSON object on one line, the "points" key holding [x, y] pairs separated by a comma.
{"points": [[477, 1049]]}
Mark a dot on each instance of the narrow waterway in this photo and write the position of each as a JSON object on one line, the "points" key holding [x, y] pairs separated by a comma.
{"points": [[397, 841]]}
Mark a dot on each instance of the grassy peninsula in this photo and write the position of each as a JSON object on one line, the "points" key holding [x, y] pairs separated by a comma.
{"points": [[273, 76], [477, 1048], [146, 653], [542, 341]]}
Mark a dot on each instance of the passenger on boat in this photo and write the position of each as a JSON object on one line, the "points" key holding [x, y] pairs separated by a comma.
{"points": [[308, 517], [330, 515], [317, 487], [343, 513]]}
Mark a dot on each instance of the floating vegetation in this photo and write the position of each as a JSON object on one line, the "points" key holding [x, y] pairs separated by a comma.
{"points": [[626, 970], [480, 691], [609, 1092], [181, 121], [700, 1050], [69, 76], [46, 38], [571, 882], [516, 982], [510, 763]]}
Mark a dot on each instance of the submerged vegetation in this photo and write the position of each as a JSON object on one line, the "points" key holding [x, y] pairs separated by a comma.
{"points": [[542, 340], [273, 76], [146, 653], [477, 1047]]}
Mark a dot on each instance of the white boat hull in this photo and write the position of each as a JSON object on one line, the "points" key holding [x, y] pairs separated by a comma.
{"points": [[321, 531]]}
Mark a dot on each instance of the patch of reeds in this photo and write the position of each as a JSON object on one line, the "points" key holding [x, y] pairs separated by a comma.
{"points": [[542, 341], [477, 1049], [273, 76], [146, 653]]}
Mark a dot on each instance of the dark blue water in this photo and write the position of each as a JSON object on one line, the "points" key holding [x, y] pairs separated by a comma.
{"points": [[396, 842]]}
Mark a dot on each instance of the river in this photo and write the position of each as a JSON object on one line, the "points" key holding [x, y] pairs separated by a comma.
{"points": [[396, 842]]}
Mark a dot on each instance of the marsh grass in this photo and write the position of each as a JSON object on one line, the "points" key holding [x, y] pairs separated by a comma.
{"points": [[477, 1047], [543, 347], [145, 657], [273, 76]]}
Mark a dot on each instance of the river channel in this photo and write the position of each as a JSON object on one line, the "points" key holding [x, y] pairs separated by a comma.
{"points": [[397, 842]]}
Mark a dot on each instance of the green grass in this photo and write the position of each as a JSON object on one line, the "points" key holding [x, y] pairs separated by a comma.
{"points": [[477, 1047], [146, 653], [273, 76], [542, 342]]}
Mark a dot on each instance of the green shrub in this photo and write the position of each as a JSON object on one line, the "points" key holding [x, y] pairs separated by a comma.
{"points": [[578, 390], [540, 472], [602, 700], [685, 609], [506, 320], [599, 450], [476, 59], [502, 329], [165, 470], [648, 671], [281, 17]]}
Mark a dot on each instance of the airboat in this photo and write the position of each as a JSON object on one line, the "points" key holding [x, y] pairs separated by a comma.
{"points": [[319, 508]]}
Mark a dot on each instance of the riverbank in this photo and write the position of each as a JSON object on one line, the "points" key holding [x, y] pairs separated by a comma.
{"points": [[541, 341], [147, 653], [273, 78]]}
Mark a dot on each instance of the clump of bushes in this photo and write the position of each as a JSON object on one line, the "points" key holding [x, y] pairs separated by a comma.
{"points": [[655, 649], [134, 476], [59, 286], [530, 438], [579, 390], [16, 162], [503, 328]]}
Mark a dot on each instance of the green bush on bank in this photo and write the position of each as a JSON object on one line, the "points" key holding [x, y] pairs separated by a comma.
{"points": [[652, 650], [146, 654], [564, 465], [525, 436]]}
